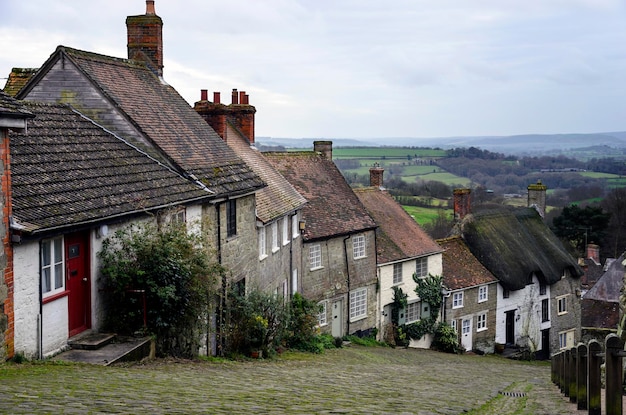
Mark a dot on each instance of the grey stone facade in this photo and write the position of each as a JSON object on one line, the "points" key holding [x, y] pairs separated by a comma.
{"points": [[567, 289]]}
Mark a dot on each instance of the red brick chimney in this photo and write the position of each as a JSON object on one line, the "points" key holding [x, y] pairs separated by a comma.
{"points": [[376, 176], [239, 113], [324, 147], [461, 203], [145, 38], [593, 252]]}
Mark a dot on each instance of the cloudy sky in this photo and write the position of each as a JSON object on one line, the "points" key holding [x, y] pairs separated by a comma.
{"points": [[366, 68]]}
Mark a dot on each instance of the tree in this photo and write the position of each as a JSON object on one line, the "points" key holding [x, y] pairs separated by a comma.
{"points": [[580, 226], [171, 271], [615, 205]]}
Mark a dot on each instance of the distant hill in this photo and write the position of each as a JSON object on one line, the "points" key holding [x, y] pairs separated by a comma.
{"points": [[531, 144]]}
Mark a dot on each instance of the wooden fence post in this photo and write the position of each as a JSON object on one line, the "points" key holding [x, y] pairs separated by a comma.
{"points": [[581, 376], [567, 372], [594, 385], [614, 351], [573, 373]]}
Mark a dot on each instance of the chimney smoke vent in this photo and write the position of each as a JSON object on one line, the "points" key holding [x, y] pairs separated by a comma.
{"points": [[150, 7]]}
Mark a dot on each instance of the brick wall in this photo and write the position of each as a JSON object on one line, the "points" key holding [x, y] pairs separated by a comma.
{"points": [[7, 318]]}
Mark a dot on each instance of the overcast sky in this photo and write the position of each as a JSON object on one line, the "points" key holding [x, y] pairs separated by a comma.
{"points": [[365, 68]]}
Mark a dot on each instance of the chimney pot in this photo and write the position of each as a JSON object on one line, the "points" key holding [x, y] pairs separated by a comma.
{"points": [[242, 97], [150, 7], [246, 99], [235, 97], [324, 147], [204, 95], [216, 97]]}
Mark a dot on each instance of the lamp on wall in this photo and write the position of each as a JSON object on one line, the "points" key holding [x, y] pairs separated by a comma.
{"points": [[302, 225]]}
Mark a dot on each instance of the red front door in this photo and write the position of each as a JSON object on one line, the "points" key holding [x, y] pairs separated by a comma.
{"points": [[78, 282]]}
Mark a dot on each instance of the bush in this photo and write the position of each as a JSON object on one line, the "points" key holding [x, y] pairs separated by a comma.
{"points": [[171, 271], [445, 339]]}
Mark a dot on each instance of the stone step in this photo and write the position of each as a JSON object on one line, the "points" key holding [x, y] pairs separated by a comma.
{"points": [[91, 341], [123, 349]]}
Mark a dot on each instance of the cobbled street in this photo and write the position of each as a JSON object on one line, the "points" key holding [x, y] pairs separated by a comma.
{"points": [[352, 380]]}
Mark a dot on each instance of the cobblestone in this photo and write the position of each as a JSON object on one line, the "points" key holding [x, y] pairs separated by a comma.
{"points": [[353, 380]]}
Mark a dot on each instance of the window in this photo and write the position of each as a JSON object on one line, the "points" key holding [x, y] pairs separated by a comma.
{"points": [[231, 218], [358, 246], [506, 293], [321, 316], [421, 267], [453, 324], [274, 237], [481, 322], [545, 310], [358, 304], [52, 275], [413, 311], [542, 289], [561, 304], [315, 256], [566, 339], [262, 251], [457, 299], [294, 280], [482, 294], [466, 327], [397, 273], [295, 231], [285, 230]]}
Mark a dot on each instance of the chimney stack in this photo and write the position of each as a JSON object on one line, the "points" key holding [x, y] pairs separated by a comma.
{"points": [[593, 253], [376, 176], [239, 113], [461, 203], [216, 97], [537, 197], [145, 38], [204, 95], [324, 147]]}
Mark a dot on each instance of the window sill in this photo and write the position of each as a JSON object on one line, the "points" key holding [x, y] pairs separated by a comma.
{"points": [[262, 257], [316, 268], [479, 330], [352, 320], [54, 297], [275, 249]]}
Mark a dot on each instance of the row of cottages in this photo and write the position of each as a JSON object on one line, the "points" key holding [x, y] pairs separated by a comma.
{"points": [[537, 297], [121, 145], [403, 249]]}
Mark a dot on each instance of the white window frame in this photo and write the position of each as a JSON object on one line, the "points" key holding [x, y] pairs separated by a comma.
{"points": [[561, 304], [358, 246], [295, 229], [453, 325], [322, 318], [358, 304], [315, 256], [483, 293], [413, 311], [466, 326], [421, 267], [286, 230], [54, 282], [457, 299], [275, 245], [481, 321], [262, 244], [397, 273]]}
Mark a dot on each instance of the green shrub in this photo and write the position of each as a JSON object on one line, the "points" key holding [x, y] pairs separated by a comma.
{"points": [[302, 329], [445, 339]]}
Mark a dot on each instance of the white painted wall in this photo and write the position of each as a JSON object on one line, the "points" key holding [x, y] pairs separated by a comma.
{"points": [[55, 327], [527, 305], [26, 298]]}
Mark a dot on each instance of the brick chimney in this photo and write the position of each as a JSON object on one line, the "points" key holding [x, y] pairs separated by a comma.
{"points": [[537, 197], [145, 38], [376, 176], [461, 203], [593, 252], [324, 147], [240, 113]]}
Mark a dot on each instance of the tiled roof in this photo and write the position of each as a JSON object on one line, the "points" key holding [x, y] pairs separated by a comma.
{"points": [[279, 197], [12, 108], [17, 79], [398, 236], [461, 269], [166, 119], [608, 287], [67, 171], [332, 209], [513, 245]]}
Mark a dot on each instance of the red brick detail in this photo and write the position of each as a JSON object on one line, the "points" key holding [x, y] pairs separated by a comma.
{"points": [[461, 203], [239, 114], [9, 307], [376, 176], [145, 39]]}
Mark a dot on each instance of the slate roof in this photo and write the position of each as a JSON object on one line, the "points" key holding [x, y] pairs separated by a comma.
{"points": [[515, 244], [17, 79], [398, 236], [164, 117], [332, 209], [67, 171], [461, 269], [279, 197], [608, 287]]}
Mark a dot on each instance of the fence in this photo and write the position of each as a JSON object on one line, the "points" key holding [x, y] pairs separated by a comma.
{"points": [[577, 372]]}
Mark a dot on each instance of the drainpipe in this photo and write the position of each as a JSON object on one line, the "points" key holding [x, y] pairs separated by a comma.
{"points": [[345, 252], [40, 316]]}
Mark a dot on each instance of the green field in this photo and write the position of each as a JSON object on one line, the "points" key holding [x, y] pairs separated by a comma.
{"points": [[424, 215], [443, 177], [384, 153], [595, 175]]}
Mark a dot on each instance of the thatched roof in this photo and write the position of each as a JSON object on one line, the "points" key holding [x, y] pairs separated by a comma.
{"points": [[516, 244]]}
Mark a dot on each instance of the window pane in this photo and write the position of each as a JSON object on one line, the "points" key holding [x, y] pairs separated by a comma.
{"points": [[58, 276], [58, 251], [45, 280], [45, 253]]}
